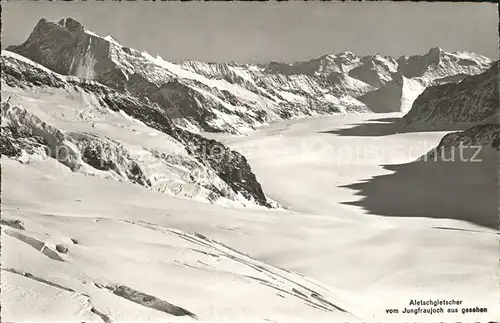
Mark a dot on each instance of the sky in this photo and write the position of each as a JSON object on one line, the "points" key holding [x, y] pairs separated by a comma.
{"points": [[258, 32]]}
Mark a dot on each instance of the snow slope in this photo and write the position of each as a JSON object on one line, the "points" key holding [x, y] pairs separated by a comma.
{"points": [[97, 131], [366, 228], [137, 255]]}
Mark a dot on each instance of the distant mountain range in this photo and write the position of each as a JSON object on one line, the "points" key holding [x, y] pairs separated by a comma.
{"points": [[235, 98], [125, 115]]}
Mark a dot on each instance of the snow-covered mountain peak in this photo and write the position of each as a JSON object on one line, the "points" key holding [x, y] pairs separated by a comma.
{"points": [[399, 82], [116, 135], [320, 66], [198, 96], [439, 63], [471, 101], [235, 98], [347, 53]]}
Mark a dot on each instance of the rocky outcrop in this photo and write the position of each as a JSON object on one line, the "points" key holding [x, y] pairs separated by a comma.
{"points": [[226, 97], [438, 64], [197, 168], [230, 165], [149, 301], [473, 100]]}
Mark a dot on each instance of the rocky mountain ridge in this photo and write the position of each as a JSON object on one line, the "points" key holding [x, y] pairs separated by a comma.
{"points": [[473, 100], [236, 98], [415, 73], [473, 104], [96, 130]]}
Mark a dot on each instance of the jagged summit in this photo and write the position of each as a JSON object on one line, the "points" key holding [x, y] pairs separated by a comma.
{"points": [[403, 80], [320, 66], [66, 48], [436, 49], [71, 24], [198, 96], [473, 100], [115, 135]]}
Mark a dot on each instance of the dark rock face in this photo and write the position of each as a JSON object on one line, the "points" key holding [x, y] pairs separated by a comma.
{"points": [[13, 141], [61, 249], [93, 157], [65, 48], [474, 99], [8, 145], [487, 135], [415, 66], [16, 75], [229, 165], [136, 175]]}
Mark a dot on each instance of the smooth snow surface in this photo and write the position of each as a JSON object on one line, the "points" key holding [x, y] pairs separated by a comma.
{"points": [[135, 255]]}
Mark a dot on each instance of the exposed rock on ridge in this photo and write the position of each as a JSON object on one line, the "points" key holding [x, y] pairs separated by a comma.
{"points": [[226, 175], [192, 100], [473, 100]]}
